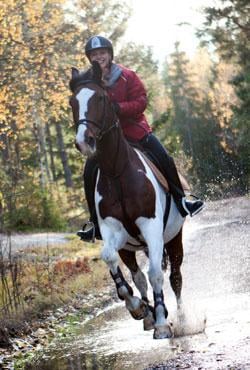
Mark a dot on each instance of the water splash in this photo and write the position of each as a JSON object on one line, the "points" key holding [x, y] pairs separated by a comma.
{"points": [[188, 320]]}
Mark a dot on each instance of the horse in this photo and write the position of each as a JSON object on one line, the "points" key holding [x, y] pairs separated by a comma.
{"points": [[131, 205]]}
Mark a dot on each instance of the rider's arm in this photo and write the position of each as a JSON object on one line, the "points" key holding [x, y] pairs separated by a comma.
{"points": [[136, 94]]}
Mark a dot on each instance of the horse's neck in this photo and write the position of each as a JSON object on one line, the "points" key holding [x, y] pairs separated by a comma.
{"points": [[113, 153]]}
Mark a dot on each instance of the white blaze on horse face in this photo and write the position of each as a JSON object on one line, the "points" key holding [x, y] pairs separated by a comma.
{"points": [[83, 98]]}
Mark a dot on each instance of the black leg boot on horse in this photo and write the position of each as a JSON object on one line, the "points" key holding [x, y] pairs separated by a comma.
{"points": [[166, 165], [90, 230]]}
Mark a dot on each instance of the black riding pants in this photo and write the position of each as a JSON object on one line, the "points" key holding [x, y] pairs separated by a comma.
{"points": [[165, 163], [158, 154]]}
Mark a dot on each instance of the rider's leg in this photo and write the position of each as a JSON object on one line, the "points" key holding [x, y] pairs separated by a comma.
{"points": [[167, 166], [90, 229]]}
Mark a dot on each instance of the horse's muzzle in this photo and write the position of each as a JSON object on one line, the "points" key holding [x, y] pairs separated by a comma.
{"points": [[90, 141], [86, 147]]}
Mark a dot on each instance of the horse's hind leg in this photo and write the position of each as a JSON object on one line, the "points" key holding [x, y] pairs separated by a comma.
{"points": [[140, 281], [175, 253]]}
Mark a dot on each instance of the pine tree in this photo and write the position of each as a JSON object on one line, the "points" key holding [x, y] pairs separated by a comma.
{"points": [[227, 26]]}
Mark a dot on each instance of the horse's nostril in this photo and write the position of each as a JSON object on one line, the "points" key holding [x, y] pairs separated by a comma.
{"points": [[90, 141]]}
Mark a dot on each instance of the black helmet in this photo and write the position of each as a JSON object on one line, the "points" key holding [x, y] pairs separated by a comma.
{"points": [[97, 42]]}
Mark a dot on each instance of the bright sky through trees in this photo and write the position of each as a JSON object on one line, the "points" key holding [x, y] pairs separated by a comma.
{"points": [[155, 23]]}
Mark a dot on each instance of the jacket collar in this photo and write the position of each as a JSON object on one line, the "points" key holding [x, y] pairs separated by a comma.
{"points": [[112, 77]]}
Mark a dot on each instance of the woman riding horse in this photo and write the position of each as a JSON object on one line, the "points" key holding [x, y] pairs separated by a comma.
{"points": [[129, 98]]}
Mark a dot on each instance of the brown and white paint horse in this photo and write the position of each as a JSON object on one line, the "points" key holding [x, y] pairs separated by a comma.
{"points": [[130, 204]]}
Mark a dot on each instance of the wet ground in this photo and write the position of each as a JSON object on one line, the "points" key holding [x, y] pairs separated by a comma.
{"points": [[214, 330], [19, 240]]}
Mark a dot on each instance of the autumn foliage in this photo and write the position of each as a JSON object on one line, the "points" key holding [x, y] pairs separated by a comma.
{"points": [[199, 108], [69, 268], [39, 43]]}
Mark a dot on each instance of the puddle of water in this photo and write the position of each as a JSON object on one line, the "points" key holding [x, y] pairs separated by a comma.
{"points": [[113, 340], [19, 241]]}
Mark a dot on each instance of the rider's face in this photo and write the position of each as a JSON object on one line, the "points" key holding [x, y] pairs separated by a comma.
{"points": [[102, 56]]}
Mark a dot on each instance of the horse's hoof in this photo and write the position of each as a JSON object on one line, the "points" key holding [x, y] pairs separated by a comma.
{"points": [[162, 331], [140, 312]]}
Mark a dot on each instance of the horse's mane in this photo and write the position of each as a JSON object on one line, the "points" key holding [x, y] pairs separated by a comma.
{"points": [[80, 78]]}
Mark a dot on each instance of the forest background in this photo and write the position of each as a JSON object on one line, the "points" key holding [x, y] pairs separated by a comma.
{"points": [[199, 107]]}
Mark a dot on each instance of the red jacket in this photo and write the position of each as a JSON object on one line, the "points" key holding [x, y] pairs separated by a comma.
{"points": [[130, 94]]}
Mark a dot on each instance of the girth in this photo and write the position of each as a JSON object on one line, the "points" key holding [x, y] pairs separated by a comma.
{"points": [[129, 225]]}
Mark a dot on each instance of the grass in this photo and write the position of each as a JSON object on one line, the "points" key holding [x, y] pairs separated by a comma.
{"points": [[55, 275]]}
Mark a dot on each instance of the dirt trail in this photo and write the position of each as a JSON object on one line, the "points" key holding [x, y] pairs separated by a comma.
{"points": [[216, 286]]}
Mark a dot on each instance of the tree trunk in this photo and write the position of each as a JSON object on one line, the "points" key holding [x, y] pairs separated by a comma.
{"points": [[51, 153], [41, 151], [63, 156]]}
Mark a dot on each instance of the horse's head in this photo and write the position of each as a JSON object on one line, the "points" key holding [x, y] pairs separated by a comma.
{"points": [[91, 107]]}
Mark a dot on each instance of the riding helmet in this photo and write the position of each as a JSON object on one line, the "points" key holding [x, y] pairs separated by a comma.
{"points": [[98, 42]]}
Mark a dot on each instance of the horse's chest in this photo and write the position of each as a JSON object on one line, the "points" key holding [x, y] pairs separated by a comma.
{"points": [[131, 195]]}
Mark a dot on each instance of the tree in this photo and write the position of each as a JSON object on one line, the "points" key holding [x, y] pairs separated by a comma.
{"points": [[227, 27], [39, 44], [184, 97], [195, 118], [140, 59]]}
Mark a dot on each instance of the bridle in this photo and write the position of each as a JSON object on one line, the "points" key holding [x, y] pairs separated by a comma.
{"points": [[102, 130]]}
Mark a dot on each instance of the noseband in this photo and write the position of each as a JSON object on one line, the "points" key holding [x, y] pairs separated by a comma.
{"points": [[102, 130]]}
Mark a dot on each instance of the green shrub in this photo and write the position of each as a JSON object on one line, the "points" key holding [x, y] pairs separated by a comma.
{"points": [[31, 208]]}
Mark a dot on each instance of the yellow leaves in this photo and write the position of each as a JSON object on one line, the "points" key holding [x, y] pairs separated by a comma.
{"points": [[34, 11], [226, 148], [33, 77], [15, 32]]}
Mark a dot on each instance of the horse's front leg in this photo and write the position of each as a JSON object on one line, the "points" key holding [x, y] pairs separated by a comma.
{"points": [[137, 307], [155, 247], [140, 281], [162, 329]]}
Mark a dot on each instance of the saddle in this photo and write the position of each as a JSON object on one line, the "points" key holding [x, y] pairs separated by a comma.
{"points": [[162, 180]]}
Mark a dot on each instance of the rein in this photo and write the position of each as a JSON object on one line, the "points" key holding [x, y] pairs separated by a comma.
{"points": [[102, 132]]}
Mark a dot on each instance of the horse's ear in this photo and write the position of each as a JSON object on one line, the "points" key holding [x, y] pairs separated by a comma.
{"points": [[74, 72], [97, 72]]}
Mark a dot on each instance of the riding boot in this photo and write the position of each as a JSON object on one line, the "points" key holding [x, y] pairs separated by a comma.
{"points": [[166, 165], [90, 229]]}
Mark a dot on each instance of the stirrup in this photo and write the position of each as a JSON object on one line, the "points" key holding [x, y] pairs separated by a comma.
{"points": [[199, 205], [89, 234]]}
